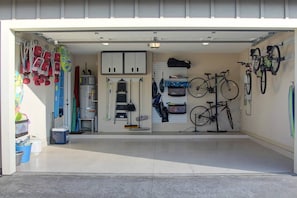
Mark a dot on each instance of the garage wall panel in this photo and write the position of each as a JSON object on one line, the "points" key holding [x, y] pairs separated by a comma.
{"points": [[249, 9], [25, 9], [5, 9], [99, 9], [74, 8], [174, 8], [124, 8], [149, 9], [274, 9], [224, 9], [292, 9], [266, 115], [199, 8], [50, 9]]}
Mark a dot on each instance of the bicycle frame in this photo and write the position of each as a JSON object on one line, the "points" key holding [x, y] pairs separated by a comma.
{"points": [[210, 115], [222, 105], [222, 75], [199, 87]]}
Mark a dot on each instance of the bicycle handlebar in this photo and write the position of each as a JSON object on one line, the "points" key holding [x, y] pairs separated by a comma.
{"points": [[244, 64], [224, 73], [221, 74]]}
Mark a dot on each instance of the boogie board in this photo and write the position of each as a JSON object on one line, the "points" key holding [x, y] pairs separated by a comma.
{"points": [[291, 98]]}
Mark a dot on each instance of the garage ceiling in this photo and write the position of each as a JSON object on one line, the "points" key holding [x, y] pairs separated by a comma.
{"points": [[91, 42]]}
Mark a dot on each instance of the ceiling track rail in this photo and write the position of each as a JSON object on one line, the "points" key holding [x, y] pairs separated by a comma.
{"points": [[148, 41], [156, 30]]}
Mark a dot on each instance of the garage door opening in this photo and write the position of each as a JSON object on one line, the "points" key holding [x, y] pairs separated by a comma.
{"points": [[159, 58]]}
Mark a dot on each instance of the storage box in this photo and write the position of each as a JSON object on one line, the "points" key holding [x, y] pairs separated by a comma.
{"points": [[60, 135], [176, 91], [21, 128], [177, 108]]}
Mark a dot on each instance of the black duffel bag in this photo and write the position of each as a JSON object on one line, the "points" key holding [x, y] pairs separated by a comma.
{"points": [[172, 62]]}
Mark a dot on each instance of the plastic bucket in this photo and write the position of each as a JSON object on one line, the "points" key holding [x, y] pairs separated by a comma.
{"points": [[36, 146], [18, 157], [26, 152]]}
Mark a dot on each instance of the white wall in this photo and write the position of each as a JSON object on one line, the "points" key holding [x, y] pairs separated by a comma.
{"points": [[38, 101], [269, 118], [85, 61]]}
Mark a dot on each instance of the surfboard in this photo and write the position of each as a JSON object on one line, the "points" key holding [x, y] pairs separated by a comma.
{"points": [[291, 98]]}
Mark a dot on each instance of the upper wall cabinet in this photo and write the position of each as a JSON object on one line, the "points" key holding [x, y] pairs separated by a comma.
{"points": [[134, 62], [123, 62], [112, 63]]}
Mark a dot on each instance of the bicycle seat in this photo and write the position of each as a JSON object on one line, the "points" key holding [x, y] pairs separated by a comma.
{"points": [[209, 102], [207, 74]]}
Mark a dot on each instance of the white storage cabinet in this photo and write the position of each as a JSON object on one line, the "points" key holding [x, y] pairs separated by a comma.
{"points": [[134, 62], [112, 63]]}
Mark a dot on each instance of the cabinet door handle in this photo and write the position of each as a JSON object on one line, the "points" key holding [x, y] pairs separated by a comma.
{"points": [[132, 69], [109, 69], [114, 69], [137, 69]]}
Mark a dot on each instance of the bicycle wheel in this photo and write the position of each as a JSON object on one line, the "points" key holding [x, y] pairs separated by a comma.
{"points": [[263, 81], [197, 87], [276, 59], [248, 84], [229, 89], [256, 58], [199, 115], [229, 117]]}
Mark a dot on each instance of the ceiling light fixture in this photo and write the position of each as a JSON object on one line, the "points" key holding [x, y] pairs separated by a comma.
{"points": [[105, 44], [154, 44], [205, 43]]}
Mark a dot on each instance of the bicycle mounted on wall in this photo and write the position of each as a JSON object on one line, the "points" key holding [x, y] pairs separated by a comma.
{"points": [[269, 62], [247, 77], [198, 87]]}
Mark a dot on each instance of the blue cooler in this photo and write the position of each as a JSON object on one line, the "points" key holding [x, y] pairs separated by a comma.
{"points": [[60, 135]]}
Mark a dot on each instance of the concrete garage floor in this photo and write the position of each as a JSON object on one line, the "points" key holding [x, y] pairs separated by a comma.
{"points": [[154, 167], [158, 156]]}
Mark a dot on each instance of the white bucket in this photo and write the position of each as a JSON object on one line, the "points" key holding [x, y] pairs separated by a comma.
{"points": [[36, 146]]}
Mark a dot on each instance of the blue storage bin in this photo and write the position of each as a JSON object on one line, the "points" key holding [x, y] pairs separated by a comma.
{"points": [[26, 152]]}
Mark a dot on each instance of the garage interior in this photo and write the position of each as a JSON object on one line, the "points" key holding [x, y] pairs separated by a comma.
{"points": [[213, 35], [168, 147]]}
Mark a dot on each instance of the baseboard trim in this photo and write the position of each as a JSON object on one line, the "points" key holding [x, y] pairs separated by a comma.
{"points": [[271, 144]]}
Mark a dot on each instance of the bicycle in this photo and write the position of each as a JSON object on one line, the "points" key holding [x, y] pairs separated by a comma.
{"points": [[269, 62], [198, 87], [201, 115], [248, 77]]}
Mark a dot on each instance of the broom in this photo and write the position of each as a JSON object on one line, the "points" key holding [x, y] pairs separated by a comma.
{"points": [[139, 128], [130, 108]]}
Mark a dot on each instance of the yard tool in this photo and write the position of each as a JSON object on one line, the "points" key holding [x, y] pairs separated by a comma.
{"points": [[139, 128], [108, 98], [130, 108], [154, 88], [161, 84]]}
